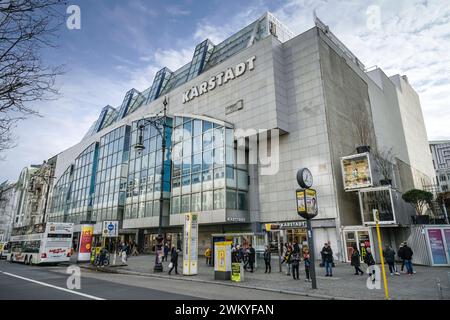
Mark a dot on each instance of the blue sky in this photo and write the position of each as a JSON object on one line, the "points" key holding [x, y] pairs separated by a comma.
{"points": [[122, 44]]}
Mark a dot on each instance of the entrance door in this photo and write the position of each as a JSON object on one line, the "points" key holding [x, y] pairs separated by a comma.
{"points": [[361, 239]]}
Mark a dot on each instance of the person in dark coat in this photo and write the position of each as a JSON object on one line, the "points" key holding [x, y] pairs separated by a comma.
{"points": [[295, 265], [389, 256], [369, 261], [327, 255], [267, 259], [400, 255], [251, 257], [407, 255], [356, 261], [174, 260], [166, 252]]}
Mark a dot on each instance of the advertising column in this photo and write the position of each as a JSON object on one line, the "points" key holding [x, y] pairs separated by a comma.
{"points": [[84, 253], [190, 248], [437, 248]]}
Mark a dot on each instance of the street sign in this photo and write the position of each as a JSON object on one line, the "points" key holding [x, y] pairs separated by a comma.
{"points": [[110, 229]]}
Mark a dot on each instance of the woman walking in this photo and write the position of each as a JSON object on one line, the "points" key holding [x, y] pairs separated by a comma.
{"points": [[356, 261], [174, 260], [287, 259]]}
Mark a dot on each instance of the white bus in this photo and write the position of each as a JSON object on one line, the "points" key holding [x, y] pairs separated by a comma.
{"points": [[49, 242]]}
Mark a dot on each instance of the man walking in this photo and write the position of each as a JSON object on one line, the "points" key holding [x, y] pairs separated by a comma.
{"points": [[407, 255], [267, 259], [389, 256], [251, 257]]}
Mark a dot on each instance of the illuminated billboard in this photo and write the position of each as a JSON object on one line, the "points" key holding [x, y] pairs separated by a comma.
{"points": [[356, 172]]}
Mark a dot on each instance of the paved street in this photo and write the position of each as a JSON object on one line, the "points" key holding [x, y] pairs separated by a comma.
{"points": [[22, 282], [343, 284]]}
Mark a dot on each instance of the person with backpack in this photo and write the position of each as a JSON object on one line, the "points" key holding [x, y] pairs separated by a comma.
{"points": [[369, 261], [389, 256]]}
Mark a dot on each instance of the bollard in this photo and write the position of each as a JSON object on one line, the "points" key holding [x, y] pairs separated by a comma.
{"points": [[439, 288]]}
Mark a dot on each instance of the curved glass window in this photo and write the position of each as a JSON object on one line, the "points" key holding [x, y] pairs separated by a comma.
{"points": [[204, 170]]}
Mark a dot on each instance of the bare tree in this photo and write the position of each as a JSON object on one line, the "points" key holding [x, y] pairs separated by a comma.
{"points": [[26, 27], [361, 127], [385, 161]]}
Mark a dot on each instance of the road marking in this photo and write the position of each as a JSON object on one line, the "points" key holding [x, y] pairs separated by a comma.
{"points": [[52, 286]]}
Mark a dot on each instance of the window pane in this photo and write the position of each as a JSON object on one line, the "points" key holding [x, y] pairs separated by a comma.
{"points": [[207, 200], [219, 178], [207, 177], [196, 182], [231, 199], [218, 157], [186, 184], [197, 127], [185, 203], [207, 159], [242, 180], [207, 140], [231, 177], [219, 199], [196, 202], [175, 205]]}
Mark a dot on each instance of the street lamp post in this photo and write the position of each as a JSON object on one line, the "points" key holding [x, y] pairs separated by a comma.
{"points": [[157, 122]]}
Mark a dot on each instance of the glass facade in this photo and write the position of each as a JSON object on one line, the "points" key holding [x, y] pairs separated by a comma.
{"points": [[143, 186], [205, 176], [110, 175]]}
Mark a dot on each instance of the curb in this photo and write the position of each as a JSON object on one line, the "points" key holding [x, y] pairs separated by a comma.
{"points": [[312, 295]]}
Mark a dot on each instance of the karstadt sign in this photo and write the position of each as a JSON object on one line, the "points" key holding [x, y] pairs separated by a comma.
{"points": [[219, 79]]}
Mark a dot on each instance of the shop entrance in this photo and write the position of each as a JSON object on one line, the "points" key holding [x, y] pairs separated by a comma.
{"points": [[360, 238]]}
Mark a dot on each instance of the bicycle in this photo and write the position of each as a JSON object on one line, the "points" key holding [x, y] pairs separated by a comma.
{"points": [[106, 261]]}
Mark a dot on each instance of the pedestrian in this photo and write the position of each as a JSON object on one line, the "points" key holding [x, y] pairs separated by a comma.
{"points": [[356, 261], [407, 255], [267, 259], [173, 260], [295, 247], [251, 256], [166, 251], [124, 250], [287, 259], [369, 261], [306, 257], [295, 265], [327, 254], [389, 256], [401, 256], [208, 255]]}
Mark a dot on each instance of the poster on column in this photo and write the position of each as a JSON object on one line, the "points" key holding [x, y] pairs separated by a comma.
{"points": [[436, 241], [87, 231], [190, 247]]}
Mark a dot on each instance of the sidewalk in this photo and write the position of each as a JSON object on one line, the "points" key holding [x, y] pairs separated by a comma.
{"points": [[343, 284]]}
